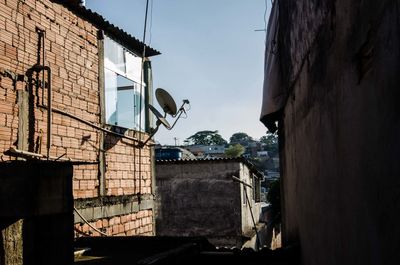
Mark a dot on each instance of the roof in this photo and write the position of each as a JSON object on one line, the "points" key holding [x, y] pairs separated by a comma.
{"points": [[111, 30], [186, 154], [243, 160]]}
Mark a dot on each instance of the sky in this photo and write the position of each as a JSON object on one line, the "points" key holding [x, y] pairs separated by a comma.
{"points": [[212, 53]]}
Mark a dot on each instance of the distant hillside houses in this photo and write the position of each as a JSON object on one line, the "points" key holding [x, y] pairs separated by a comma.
{"points": [[254, 149], [206, 151]]}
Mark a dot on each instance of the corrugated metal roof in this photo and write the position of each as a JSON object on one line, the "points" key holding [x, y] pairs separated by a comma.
{"points": [[111, 30], [243, 160]]}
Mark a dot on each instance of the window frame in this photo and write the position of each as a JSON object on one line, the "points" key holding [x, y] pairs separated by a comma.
{"points": [[119, 66], [256, 188]]}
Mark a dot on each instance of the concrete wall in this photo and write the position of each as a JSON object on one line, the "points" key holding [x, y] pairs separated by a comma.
{"points": [[199, 199], [254, 209], [74, 54], [36, 217], [341, 127]]}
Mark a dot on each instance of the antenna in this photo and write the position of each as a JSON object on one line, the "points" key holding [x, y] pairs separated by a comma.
{"points": [[169, 107], [166, 102], [160, 118]]}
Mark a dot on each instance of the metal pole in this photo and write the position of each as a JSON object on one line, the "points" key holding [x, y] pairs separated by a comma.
{"points": [[49, 111], [252, 217]]}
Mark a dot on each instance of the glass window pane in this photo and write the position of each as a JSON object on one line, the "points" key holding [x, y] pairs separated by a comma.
{"points": [[126, 102], [123, 101], [110, 88], [133, 67], [114, 56], [139, 110]]}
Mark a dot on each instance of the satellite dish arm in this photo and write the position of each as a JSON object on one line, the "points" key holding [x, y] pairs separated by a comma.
{"points": [[151, 135], [185, 101], [160, 120], [181, 110], [180, 113]]}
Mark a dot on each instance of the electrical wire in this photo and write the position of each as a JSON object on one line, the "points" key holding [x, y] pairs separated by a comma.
{"points": [[89, 224], [91, 124], [151, 21]]}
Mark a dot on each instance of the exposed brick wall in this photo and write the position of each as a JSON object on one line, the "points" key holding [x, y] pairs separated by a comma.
{"points": [[134, 224], [8, 114], [71, 51], [124, 170], [85, 181]]}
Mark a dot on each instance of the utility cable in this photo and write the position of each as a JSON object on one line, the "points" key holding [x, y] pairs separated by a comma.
{"points": [[151, 21], [89, 224]]}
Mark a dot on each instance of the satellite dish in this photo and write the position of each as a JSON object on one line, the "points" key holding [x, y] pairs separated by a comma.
{"points": [[160, 118], [166, 102]]}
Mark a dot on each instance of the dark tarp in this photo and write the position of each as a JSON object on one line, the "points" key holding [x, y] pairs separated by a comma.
{"points": [[274, 96]]}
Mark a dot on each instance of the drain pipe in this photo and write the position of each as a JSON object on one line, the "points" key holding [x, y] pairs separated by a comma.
{"points": [[38, 68]]}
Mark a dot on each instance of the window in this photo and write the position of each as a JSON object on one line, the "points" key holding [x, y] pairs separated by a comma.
{"points": [[244, 194], [124, 96]]}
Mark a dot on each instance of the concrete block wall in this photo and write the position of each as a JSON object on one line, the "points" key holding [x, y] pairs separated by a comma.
{"points": [[246, 218], [200, 198], [139, 223], [72, 53]]}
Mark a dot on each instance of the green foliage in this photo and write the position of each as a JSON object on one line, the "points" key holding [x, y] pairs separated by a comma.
{"points": [[206, 138], [271, 142], [234, 150], [259, 162], [241, 138]]}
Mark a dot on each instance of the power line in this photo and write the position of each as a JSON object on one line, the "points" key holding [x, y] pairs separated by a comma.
{"points": [[151, 21]]}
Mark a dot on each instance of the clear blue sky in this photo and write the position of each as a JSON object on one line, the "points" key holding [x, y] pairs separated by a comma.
{"points": [[211, 55]]}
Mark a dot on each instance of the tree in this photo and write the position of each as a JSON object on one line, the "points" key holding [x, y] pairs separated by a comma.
{"points": [[206, 138], [234, 150], [241, 138], [271, 142]]}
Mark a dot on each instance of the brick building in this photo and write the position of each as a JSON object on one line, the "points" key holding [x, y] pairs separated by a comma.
{"points": [[97, 112]]}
